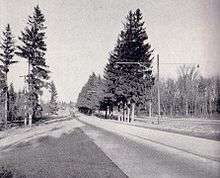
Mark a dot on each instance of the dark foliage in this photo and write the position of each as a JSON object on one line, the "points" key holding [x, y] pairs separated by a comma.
{"points": [[91, 94], [130, 80], [33, 49]]}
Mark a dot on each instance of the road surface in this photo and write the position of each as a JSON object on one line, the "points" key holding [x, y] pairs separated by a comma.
{"points": [[88, 151]]}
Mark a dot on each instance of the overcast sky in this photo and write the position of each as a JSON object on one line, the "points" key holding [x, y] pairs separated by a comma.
{"points": [[81, 33]]}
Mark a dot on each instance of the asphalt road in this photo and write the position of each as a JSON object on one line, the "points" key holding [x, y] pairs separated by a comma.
{"points": [[71, 155], [92, 152], [145, 159]]}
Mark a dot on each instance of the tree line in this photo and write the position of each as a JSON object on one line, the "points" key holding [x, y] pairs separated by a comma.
{"points": [[32, 48], [190, 94], [126, 83], [128, 86]]}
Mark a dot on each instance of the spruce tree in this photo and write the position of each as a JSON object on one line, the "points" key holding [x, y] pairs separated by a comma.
{"points": [[53, 105], [129, 81], [33, 49], [134, 48], [6, 57]]}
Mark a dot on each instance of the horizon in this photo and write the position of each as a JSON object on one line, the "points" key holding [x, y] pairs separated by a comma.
{"points": [[79, 39]]}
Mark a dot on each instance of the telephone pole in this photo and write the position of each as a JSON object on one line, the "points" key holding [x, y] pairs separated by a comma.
{"points": [[30, 110], [158, 79], [6, 101], [158, 87]]}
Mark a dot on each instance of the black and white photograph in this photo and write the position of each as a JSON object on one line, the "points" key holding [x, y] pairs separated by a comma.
{"points": [[109, 88]]}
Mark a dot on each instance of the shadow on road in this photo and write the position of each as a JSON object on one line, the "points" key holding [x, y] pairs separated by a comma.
{"points": [[71, 155]]}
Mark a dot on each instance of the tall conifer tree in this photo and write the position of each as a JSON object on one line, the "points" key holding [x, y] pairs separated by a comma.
{"points": [[6, 57], [33, 50], [126, 80]]}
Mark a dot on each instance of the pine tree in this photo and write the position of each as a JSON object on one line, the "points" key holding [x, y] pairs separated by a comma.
{"points": [[53, 105], [6, 57], [126, 81], [34, 50]]}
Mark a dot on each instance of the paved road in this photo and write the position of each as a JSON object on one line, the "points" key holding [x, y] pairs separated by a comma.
{"points": [[194, 145], [71, 155], [138, 159], [92, 152]]}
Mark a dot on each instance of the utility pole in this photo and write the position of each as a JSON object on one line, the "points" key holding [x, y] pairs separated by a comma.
{"points": [[158, 87], [30, 110], [158, 80], [6, 101]]}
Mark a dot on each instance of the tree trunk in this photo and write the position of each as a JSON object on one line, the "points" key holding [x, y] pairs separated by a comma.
{"points": [[128, 114], [124, 108], [6, 108], [196, 110], [171, 111], [150, 109], [210, 106], [25, 120], [119, 114], [132, 111], [30, 120], [187, 108], [137, 110], [107, 112]]}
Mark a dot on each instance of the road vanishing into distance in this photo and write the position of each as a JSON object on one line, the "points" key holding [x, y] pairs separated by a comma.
{"points": [[89, 151]]}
